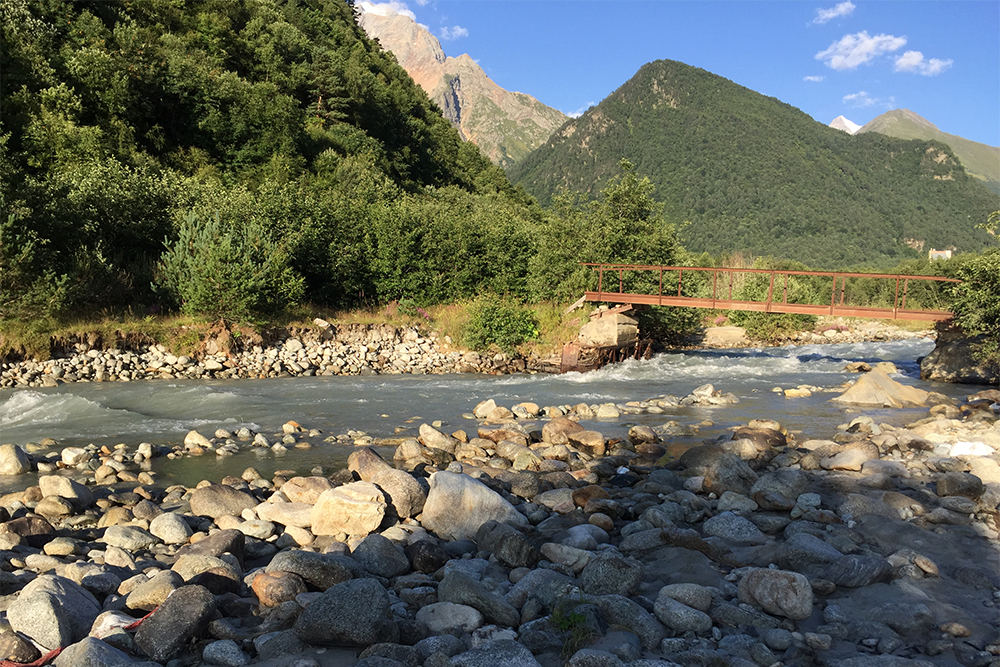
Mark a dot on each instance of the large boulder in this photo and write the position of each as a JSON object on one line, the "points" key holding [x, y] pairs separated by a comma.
{"points": [[13, 460], [353, 613], [353, 509], [778, 592], [877, 389], [458, 505], [218, 500], [614, 330], [319, 570], [183, 615], [952, 359], [53, 611], [64, 487]]}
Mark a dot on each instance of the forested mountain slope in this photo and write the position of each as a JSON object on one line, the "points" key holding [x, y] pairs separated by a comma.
{"points": [[979, 160], [160, 154], [752, 173]]}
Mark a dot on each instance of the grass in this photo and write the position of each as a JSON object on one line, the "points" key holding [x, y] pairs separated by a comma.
{"points": [[41, 338]]}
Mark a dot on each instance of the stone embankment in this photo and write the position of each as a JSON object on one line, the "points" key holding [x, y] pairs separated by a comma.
{"points": [[829, 331], [877, 546], [326, 350]]}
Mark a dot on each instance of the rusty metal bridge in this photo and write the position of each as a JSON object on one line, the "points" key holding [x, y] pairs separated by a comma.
{"points": [[780, 296]]}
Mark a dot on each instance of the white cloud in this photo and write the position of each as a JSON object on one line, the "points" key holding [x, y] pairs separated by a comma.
{"points": [[390, 8], [579, 112], [862, 99], [454, 32], [913, 61], [841, 9], [423, 3], [813, 79], [855, 50]]}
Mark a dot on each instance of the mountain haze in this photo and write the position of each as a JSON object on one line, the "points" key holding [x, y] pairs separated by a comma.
{"points": [[750, 172], [979, 160], [505, 125]]}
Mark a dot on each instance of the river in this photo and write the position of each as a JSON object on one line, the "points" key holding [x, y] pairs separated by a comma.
{"points": [[163, 411]]}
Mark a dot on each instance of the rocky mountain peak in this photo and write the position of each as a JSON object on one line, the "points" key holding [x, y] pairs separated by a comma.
{"points": [[505, 125], [842, 123]]}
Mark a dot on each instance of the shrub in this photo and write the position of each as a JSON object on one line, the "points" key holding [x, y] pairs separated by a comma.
{"points": [[231, 272], [976, 302], [497, 321]]}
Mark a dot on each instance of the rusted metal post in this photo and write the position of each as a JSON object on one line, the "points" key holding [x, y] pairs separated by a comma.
{"points": [[659, 295], [620, 272], [833, 294], [843, 287], [906, 285], [784, 294], [715, 279], [770, 291], [895, 300], [731, 285], [680, 280], [600, 279]]}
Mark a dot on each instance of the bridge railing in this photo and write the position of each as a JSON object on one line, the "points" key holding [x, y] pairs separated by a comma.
{"points": [[879, 295]]}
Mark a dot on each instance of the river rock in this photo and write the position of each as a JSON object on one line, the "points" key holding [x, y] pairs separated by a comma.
{"points": [[458, 588], [225, 653], [507, 544], [298, 515], [556, 431], [218, 500], [183, 615], [353, 613], [441, 617], [734, 528], [877, 389], [457, 505], [679, 617], [170, 528], [221, 542], [431, 437], [959, 484], [64, 487], [305, 489], [13, 460], [777, 592], [53, 611], [150, 594], [953, 359], [130, 538], [319, 570], [92, 652], [622, 611], [611, 574], [273, 588], [506, 652], [855, 571], [355, 509], [380, 556]]}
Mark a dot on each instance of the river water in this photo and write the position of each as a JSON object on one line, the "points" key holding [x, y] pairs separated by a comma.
{"points": [[162, 411]]}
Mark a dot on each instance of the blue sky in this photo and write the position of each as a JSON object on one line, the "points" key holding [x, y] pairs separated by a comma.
{"points": [[828, 58]]}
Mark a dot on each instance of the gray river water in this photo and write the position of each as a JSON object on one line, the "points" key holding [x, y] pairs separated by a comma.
{"points": [[162, 411]]}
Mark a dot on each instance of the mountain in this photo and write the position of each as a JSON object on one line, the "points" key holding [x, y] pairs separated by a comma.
{"points": [[979, 160], [841, 123], [749, 172], [505, 125]]}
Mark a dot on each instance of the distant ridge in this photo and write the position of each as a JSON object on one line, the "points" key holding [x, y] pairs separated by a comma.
{"points": [[980, 160], [841, 123], [749, 172], [505, 125]]}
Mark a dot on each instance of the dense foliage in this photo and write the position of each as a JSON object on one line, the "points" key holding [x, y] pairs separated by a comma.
{"points": [[496, 321], [751, 173], [233, 156]]}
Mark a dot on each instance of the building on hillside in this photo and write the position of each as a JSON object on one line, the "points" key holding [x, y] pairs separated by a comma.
{"points": [[939, 254]]}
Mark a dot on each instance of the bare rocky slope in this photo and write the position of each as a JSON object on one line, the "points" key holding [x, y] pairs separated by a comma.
{"points": [[505, 125]]}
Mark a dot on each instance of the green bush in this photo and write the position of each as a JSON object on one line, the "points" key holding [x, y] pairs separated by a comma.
{"points": [[231, 272], [497, 321], [976, 302]]}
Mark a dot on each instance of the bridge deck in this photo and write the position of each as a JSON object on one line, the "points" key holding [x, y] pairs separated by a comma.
{"points": [[722, 298]]}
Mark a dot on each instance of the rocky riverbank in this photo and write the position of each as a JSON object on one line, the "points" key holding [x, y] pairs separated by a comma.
{"points": [[329, 349], [877, 546], [326, 349]]}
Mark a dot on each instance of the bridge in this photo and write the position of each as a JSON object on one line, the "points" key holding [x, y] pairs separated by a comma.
{"points": [[869, 294]]}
